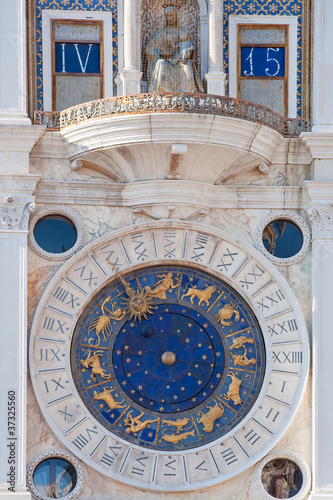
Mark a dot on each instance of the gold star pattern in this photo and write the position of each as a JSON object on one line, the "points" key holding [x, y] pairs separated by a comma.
{"points": [[128, 360], [140, 353], [126, 347], [204, 357], [199, 382], [199, 345], [187, 341], [161, 408], [118, 352], [182, 389]]}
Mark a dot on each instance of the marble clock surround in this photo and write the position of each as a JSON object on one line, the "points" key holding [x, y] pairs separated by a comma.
{"points": [[244, 223]]}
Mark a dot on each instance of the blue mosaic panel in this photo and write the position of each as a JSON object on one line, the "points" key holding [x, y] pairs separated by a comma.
{"points": [[183, 374], [269, 8], [77, 5]]}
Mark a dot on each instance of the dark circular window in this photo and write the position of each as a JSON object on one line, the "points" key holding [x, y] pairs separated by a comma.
{"points": [[55, 233], [281, 478], [55, 478], [282, 238]]}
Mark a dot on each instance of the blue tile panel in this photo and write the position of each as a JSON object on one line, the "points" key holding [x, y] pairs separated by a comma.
{"points": [[76, 5]]}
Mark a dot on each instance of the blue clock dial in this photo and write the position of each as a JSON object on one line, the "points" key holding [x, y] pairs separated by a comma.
{"points": [[168, 357]]}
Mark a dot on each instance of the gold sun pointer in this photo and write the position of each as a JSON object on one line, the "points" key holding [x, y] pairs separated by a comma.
{"points": [[138, 304]]}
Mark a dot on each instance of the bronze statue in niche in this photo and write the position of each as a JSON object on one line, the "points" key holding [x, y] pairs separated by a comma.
{"points": [[170, 57]]}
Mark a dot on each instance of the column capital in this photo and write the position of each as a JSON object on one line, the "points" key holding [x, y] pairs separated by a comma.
{"points": [[16, 200]]}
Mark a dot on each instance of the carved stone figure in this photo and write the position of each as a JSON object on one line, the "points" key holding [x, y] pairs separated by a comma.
{"points": [[170, 56]]}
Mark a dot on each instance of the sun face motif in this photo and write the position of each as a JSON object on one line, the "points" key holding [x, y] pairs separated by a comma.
{"points": [[138, 305]]}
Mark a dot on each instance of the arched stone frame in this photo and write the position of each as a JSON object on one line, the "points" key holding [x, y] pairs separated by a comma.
{"points": [[211, 43]]}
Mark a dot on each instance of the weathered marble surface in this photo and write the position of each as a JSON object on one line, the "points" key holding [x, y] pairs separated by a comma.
{"points": [[99, 221]]}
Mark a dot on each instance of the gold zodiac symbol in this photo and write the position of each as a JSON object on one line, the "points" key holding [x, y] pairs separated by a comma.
{"points": [[134, 424], [179, 423], [208, 419], [175, 438], [102, 323], [162, 286], [202, 295], [93, 362], [234, 388], [227, 312], [238, 342], [107, 397], [242, 360]]}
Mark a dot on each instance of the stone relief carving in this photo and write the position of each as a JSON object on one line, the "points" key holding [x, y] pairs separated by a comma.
{"points": [[172, 213], [14, 213], [322, 220]]}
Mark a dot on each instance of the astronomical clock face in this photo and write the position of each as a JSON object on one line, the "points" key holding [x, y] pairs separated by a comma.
{"points": [[169, 358]]}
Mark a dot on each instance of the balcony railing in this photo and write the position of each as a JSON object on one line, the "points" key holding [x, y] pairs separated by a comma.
{"points": [[176, 103]]}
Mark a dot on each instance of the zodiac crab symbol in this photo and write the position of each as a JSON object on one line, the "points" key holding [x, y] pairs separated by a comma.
{"points": [[226, 313]]}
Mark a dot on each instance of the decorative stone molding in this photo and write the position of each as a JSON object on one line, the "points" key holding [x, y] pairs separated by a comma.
{"points": [[65, 455], [197, 215], [296, 219], [14, 213], [294, 457], [58, 210], [322, 221], [181, 103]]}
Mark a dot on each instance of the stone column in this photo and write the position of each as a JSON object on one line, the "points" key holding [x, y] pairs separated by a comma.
{"points": [[319, 199], [12, 62], [131, 75], [14, 209], [215, 77], [323, 66]]}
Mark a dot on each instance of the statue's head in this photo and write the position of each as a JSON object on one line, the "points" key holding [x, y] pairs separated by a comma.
{"points": [[171, 13]]}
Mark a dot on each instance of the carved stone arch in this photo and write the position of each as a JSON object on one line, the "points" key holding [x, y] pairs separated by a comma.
{"points": [[151, 19]]}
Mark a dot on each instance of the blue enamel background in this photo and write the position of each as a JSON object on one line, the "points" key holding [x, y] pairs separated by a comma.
{"points": [[195, 385]]}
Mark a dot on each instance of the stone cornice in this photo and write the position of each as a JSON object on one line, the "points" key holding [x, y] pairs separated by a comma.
{"points": [[318, 144], [20, 138], [169, 192]]}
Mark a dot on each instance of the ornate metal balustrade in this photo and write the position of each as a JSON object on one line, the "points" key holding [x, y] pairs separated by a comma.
{"points": [[177, 103]]}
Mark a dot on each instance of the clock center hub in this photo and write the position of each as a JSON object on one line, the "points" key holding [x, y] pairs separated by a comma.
{"points": [[168, 358]]}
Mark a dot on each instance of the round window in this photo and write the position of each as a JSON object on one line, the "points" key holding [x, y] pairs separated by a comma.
{"points": [[55, 233], [282, 238], [55, 478], [281, 478]]}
